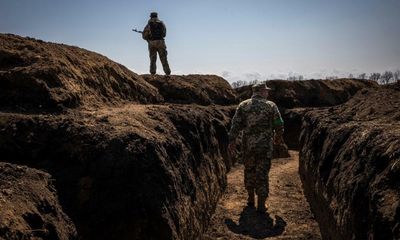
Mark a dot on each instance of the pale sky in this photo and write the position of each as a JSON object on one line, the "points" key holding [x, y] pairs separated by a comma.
{"points": [[240, 40]]}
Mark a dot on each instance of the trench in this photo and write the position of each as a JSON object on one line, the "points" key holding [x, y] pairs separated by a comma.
{"points": [[288, 216], [157, 172], [288, 213]]}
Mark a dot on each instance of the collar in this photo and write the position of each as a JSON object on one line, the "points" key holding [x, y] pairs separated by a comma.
{"points": [[257, 96]]}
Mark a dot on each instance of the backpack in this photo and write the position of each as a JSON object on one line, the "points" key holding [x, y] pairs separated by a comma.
{"points": [[156, 30]]}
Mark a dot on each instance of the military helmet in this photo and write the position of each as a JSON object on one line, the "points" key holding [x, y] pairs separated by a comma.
{"points": [[153, 15], [259, 86]]}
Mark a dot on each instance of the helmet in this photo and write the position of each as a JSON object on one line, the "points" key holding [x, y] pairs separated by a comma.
{"points": [[153, 15]]}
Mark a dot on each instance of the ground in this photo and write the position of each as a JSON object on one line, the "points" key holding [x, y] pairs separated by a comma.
{"points": [[288, 215]]}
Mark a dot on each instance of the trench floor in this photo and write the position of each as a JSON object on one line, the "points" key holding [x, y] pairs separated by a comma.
{"points": [[288, 215]]}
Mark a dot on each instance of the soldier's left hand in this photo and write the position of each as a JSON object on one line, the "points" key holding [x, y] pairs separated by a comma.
{"points": [[278, 140]]}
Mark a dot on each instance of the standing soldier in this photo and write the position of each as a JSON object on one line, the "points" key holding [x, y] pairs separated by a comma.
{"points": [[261, 122], [154, 33]]}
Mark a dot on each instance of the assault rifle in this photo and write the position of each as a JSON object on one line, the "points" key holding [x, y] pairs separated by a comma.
{"points": [[135, 30]]}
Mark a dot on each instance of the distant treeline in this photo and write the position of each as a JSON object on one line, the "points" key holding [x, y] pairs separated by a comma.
{"points": [[382, 78]]}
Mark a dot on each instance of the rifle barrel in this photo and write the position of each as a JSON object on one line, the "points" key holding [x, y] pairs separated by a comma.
{"points": [[135, 30]]}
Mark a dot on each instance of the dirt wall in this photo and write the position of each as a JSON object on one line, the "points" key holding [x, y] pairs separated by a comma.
{"points": [[350, 166], [140, 172], [309, 93], [124, 167], [29, 206]]}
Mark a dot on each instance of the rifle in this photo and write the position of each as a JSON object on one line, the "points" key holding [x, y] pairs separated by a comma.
{"points": [[135, 30], [141, 32]]}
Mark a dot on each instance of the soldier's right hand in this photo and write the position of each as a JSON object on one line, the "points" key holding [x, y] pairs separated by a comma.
{"points": [[231, 147]]}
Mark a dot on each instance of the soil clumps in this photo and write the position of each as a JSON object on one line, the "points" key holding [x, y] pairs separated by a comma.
{"points": [[29, 206]]}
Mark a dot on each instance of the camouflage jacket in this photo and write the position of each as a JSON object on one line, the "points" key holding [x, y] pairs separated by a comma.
{"points": [[258, 118]]}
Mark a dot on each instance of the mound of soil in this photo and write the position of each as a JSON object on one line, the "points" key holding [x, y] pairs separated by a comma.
{"points": [[128, 170], [37, 75], [134, 171], [309, 93], [199, 89], [350, 166], [29, 206]]}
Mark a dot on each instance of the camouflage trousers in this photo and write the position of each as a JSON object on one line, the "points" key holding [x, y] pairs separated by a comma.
{"points": [[256, 170], [158, 46]]}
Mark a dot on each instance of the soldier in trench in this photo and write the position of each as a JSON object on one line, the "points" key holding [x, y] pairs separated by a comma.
{"points": [[154, 33], [262, 124]]}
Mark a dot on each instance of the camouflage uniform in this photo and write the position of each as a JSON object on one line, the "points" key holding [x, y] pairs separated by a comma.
{"points": [[156, 45], [258, 118]]}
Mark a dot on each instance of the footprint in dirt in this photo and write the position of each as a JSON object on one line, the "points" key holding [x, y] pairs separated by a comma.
{"points": [[256, 225]]}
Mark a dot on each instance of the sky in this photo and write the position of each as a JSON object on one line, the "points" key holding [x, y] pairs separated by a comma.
{"points": [[236, 39]]}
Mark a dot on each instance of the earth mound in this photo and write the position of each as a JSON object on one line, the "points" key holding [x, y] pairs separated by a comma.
{"points": [[128, 170], [29, 206], [121, 163], [350, 166], [37, 75], [310, 93], [199, 89]]}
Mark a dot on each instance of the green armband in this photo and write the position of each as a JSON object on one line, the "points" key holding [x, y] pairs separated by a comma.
{"points": [[278, 122]]}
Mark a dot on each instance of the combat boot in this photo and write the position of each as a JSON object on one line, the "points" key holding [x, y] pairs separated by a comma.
{"points": [[250, 199], [261, 204]]}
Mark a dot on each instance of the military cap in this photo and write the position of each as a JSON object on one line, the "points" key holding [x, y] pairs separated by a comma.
{"points": [[153, 15], [260, 86]]}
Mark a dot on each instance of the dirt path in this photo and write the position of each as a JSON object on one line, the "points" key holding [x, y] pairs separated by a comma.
{"points": [[288, 215]]}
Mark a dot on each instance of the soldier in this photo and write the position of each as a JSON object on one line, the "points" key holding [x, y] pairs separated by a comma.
{"points": [[261, 122], [154, 33]]}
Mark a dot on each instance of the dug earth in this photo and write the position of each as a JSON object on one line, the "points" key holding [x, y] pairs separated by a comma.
{"points": [[350, 165], [86, 144], [124, 158]]}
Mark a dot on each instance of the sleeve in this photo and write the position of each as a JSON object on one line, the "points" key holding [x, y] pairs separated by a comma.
{"points": [[238, 123], [277, 119]]}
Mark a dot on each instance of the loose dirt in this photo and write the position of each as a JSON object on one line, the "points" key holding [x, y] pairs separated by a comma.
{"points": [[288, 215]]}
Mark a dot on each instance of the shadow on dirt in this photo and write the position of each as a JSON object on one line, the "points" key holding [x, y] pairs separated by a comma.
{"points": [[256, 225]]}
